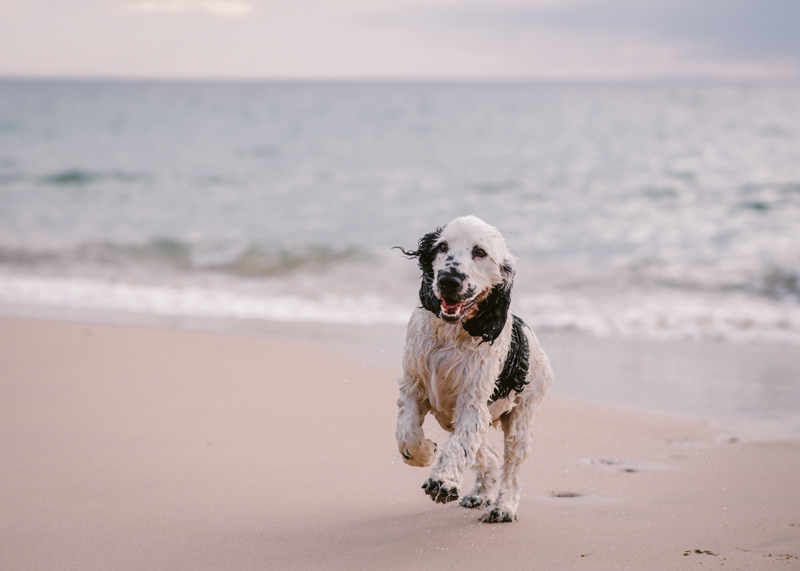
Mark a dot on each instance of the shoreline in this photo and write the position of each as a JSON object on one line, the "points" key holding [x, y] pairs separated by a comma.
{"points": [[750, 390], [141, 448]]}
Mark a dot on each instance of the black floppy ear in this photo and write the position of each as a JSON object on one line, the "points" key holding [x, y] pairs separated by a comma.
{"points": [[493, 311], [508, 269], [492, 314], [425, 254]]}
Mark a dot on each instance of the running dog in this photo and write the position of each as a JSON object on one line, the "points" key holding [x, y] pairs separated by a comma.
{"points": [[471, 363]]}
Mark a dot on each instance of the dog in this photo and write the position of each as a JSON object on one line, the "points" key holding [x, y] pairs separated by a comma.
{"points": [[471, 363]]}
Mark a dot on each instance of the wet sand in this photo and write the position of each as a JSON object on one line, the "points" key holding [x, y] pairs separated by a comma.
{"points": [[138, 448], [752, 390]]}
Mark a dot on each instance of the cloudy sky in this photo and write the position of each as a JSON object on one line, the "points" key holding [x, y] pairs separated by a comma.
{"points": [[402, 39]]}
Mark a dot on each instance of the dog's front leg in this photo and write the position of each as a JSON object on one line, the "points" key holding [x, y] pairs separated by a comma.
{"points": [[412, 406], [459, 452]]}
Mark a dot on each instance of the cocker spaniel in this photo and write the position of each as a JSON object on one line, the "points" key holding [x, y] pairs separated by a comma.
{"points": [[472, 365]]}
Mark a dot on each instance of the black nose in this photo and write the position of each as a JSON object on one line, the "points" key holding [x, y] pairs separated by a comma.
{"points": [[449, 283]]}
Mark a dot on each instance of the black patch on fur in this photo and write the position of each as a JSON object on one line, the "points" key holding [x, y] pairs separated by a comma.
{"points": [[518, 363], [452, 270], [425, 254], [492, 313]]}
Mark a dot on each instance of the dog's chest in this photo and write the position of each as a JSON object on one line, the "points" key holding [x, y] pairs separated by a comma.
{"points": [[454, 368], [448, 376]]}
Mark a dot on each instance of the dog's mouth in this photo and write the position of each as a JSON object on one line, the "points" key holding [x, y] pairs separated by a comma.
{"points": [[454, 310]]}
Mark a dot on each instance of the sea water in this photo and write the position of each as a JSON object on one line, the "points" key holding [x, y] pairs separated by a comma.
{"points": [[652, 212]]}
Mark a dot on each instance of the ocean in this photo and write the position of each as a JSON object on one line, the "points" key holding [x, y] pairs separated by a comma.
{"points": [[636, 211]]}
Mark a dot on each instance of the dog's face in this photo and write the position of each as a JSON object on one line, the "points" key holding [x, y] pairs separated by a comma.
{"points": [[468, 262], [467, 275]]}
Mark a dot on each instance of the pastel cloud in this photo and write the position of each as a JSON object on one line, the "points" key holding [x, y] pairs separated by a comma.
{"points": [[222, 8], [402, 39], [726, 28]]}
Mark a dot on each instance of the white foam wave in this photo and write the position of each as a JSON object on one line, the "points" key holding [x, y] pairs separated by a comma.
{"points": [[655, 314], [196, 301], [669, 315]]}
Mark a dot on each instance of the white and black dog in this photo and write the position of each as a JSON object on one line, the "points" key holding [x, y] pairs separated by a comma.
{"points": [[470, 365]]}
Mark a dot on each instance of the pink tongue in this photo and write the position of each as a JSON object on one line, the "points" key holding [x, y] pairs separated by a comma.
{"points": [[448, 306]]}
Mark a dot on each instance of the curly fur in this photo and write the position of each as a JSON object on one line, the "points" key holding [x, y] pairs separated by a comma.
{"points": [[471, 367], [425, 256], [514, 375]]}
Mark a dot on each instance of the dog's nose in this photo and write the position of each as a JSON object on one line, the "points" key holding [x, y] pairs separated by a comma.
{"points": [[448, 282]]}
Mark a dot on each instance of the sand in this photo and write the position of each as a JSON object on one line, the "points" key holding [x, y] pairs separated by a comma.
{"points": [[136, 448]]}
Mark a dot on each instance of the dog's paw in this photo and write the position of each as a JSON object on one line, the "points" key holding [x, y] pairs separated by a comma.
{"points": [[474, 501], [498, 515], [420, 455], [439, 491]]}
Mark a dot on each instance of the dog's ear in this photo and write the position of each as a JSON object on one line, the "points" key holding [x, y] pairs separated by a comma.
{"points": [[508, 268], [493, 311], [492, 314], [425, 254]]}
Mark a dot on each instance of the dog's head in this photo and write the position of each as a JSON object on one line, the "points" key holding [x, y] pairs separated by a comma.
{"points": [[467, 274]]}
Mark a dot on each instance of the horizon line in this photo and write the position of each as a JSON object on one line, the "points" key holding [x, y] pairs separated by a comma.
{"points": [[674, 80]]}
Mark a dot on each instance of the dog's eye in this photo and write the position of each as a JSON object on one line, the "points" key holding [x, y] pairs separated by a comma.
{"points": [[443, 247], [478, 253]]}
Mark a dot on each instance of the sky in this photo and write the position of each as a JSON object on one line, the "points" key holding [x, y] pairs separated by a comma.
{"points": [[555, 40]]}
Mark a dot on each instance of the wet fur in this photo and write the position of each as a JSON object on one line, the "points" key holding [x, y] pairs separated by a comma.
{"points": [[451, 370]]}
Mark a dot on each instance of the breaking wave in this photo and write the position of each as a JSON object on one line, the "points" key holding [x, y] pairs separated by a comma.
{"points": [[238, 258], [76, 293], [327, 285]]}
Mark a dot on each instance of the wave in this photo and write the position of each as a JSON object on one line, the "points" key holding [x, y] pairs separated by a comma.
{"points": [[668, 316], [310, 282], [659, 315], [236, 257], [773, 280], [75, 177], [779, 282], [80, 177], [197, 301]]}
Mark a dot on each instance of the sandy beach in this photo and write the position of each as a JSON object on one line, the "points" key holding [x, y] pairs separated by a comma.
{"points": [[141, 448]]}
